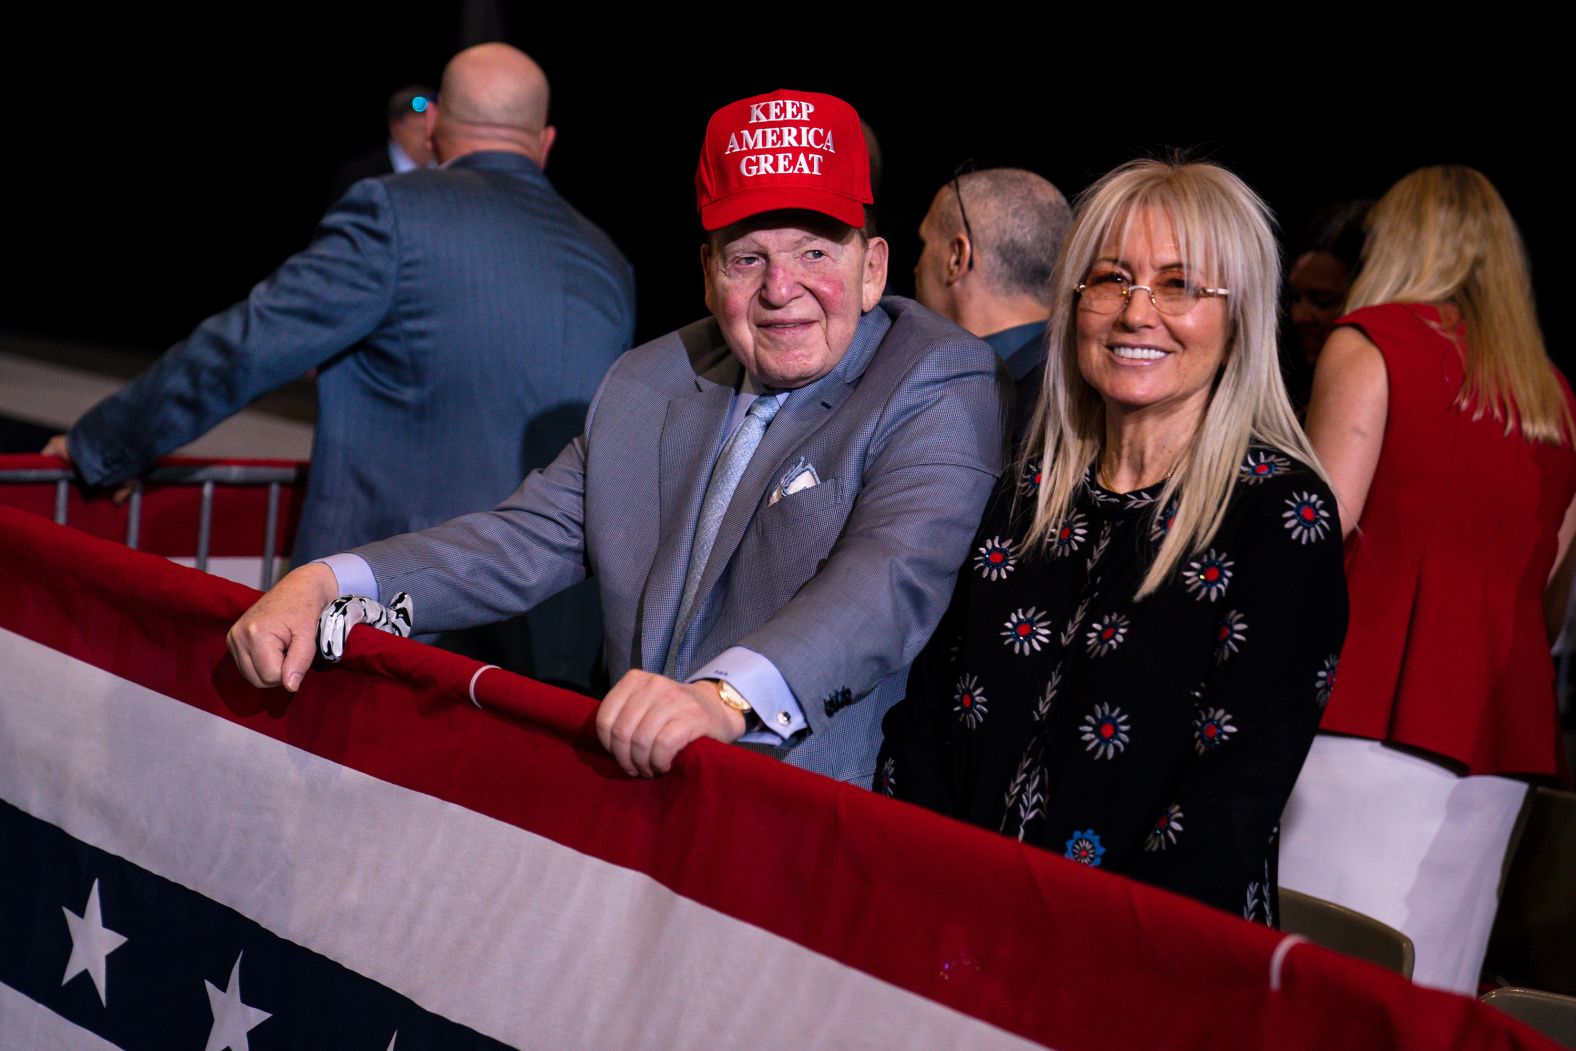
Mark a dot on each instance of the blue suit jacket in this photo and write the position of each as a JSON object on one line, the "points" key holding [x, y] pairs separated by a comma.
{"points": [[459, 319], [838, 585]]}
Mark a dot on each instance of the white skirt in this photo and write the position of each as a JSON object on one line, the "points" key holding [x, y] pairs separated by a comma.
{"points": [[1406, 841]]}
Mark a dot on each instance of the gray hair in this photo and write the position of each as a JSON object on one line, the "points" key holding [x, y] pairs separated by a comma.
{"points": [[1017, 220]]}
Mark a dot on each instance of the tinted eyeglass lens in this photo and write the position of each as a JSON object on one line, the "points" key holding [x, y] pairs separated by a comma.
{"points": [[1105, 292], [1173, 295]]}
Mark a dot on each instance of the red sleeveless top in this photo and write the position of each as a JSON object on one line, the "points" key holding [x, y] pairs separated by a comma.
{"points": [[1446, 649]]}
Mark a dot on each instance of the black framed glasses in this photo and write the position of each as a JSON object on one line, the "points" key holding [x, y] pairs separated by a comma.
{"points": [[1110, 291]]}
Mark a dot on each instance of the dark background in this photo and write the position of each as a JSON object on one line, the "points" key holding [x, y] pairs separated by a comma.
{"points": [[165, 159]]}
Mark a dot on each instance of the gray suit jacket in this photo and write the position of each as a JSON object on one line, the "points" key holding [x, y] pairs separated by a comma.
{"points": [[838, 585]]}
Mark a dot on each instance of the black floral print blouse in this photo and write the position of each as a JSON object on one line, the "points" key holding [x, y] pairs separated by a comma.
{"points": [[1160, 738]]}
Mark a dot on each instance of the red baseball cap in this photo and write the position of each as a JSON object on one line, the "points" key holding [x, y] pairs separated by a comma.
{"points": [[784, 149]]}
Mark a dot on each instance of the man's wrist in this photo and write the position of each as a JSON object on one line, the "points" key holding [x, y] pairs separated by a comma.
{"points": [[322, 579], [740, 714], [730, 696], [776, 711], [352, 575]]}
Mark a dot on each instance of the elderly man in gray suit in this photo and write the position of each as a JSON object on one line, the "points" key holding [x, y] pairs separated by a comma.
{"points": [[774, 501]]}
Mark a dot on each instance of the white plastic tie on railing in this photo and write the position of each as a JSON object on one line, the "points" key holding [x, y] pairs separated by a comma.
{"points": [[472, 687], [1278, 959]]}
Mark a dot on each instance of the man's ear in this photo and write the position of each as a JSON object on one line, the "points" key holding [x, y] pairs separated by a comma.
{"points": [[544, 144], [959, 251], [429, 120], [705, 272], [875, 276]]}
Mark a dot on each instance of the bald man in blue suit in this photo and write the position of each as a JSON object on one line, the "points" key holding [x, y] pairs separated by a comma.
{"points": [[459, 320]]}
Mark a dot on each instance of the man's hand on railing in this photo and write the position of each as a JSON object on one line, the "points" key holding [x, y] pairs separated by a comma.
{"points": [[647, 719], [274, 641], [57, 446]]}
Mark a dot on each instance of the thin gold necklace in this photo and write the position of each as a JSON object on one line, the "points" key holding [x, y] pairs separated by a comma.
{"points": [[1100, 475]]}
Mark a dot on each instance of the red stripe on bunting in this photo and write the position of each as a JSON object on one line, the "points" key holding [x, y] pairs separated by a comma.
{"points": [[1012, 935]]}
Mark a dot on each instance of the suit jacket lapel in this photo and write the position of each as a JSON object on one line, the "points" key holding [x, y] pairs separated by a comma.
{"points": [[690, 433], [803, 411], [806, 409]]}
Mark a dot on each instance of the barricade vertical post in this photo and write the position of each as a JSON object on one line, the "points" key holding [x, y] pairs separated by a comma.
{"points": [[134, 516], [204, 526], [270, 525]]}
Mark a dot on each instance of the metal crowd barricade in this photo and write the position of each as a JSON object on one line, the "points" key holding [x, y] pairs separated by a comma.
{"points": [[207, 476]]}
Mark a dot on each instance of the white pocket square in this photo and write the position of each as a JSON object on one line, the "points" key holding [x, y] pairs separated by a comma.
{"points": [[799, 477]]}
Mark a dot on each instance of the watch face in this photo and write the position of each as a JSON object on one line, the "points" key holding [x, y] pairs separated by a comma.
{"points": [[731, 697]]}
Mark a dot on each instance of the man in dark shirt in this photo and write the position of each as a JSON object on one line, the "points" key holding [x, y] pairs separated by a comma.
{"points": [[990, 243]]}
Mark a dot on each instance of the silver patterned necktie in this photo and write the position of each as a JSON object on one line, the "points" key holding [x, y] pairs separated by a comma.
{"points": [[719, 494]]}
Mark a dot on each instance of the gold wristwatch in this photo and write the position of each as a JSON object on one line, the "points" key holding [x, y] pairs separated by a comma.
{"points": [[732, 698]]}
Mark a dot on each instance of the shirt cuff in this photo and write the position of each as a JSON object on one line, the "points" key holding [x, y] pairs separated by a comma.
{"points": [[353, 574], [759, 682]]}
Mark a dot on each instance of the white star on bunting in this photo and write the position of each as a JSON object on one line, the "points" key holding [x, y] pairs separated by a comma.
{"points": [[232, 1019], [91, 942]]}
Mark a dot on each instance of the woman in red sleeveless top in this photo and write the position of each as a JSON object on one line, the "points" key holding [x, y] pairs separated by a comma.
{"points": [[1447, 434]]}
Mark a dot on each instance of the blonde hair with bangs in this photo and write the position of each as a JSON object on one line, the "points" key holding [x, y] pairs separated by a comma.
{"points": [[1443, 233], [1224, 232]]}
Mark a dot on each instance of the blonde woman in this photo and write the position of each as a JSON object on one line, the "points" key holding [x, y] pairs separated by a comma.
{"points": [[1447, 436], [1131, 669]]}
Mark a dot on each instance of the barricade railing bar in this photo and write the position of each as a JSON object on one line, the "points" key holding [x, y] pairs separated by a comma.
{"points": [[207, 476]]}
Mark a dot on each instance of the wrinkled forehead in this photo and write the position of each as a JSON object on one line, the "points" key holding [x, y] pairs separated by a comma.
{"points": [[782, 229]]}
